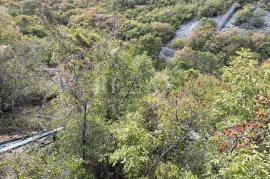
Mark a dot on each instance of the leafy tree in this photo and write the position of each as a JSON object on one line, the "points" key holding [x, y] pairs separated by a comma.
{"points": [[134, 145], [247, 166], [127, 79], [18, 67]]}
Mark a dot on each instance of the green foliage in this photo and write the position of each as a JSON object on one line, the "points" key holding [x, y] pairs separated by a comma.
{"points": [[235, 104], [178, 44], [171, 171], [18, 79], [245, 81], [243, 2], [207, 23], [82, 20], [92, 19], [127, 79], [266, 4], [205, 62], [225, 43], [250, 17], [134, 145], [178, 77], [132, 29], [247, 166], [198, 39], [185, 56], [162, 30], [90, 65], [40, 165], [60, 11], [161, 82], [151, 45], [30, 25], [170, 14], [125, 4], [160, 3], [9, 34], [211, 8], [240, 146], [29, 7], [84, 38], [146, 44]]}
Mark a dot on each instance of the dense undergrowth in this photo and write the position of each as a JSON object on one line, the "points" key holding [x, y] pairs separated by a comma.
{"points": [[94, 66]]}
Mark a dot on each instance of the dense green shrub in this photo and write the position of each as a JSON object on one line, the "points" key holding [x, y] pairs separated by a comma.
{"points": [[83, 37], [225, 43], [250, 17], [198, 39], [207, 62], [185, 57], [29, 7], [161, 3], [66, 6], [206, 23], [132, 29], [162, 30], [121, 5], [160, 82], [30, 25], [174, 15], [243, 2], [123, 119], [178, 44], [211, 8], [60, 11], [82, 20], [148, 43], [62, 17]]}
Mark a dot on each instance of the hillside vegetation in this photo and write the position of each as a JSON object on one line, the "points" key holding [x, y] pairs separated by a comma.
{"points": [[94, 68]]}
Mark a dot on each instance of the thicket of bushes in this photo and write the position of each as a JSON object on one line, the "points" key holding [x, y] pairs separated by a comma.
{"points": [[94, 66], [250, 17]]}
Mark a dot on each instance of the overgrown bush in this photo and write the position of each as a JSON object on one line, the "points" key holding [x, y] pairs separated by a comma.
{"points": [[29, 7], [147, 44], [211, 8], [250, 17], [173, 15], [162, 30], [30, 25], [178, 44], [132, 29]]}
